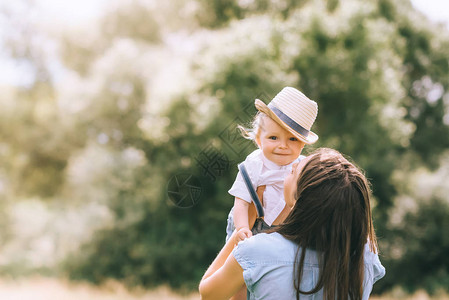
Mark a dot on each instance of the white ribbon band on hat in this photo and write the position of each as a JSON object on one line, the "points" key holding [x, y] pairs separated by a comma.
{"points": [[287, 120]]}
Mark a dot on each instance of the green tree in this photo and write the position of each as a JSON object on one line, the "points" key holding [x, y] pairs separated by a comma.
{"points": [[153, 88]]}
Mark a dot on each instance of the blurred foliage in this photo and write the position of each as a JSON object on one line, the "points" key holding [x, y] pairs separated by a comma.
{"points": [[156, 89], [421, 245]]}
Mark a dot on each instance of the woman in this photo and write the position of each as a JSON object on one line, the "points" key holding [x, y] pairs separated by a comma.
{"points": [[325, 248]]}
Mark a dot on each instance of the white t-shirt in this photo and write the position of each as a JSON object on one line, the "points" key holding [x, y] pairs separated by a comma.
{"points": [[263, 171]]}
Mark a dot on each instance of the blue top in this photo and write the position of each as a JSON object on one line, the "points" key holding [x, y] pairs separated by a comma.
{"points": [[267, 261]]}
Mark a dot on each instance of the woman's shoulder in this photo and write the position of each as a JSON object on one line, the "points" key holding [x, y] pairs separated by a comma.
{"points": [[273, 239], [265, 246], [373, 266], [369, 256]]}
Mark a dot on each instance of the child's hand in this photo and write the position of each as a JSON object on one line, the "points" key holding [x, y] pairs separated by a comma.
{"points": [[242, 234]]}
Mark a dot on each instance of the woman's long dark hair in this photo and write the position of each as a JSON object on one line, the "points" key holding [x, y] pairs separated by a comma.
{"points": [[332, 215]]}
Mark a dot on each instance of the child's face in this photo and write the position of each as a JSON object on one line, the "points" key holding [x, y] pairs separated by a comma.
{"points": [[277, 144]]}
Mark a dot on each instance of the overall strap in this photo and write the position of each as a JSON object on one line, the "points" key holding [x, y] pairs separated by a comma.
{"points": [[255, 199], [251, 190]]}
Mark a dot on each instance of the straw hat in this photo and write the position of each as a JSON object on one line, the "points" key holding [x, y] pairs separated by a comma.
{"points": [[292, 110]]}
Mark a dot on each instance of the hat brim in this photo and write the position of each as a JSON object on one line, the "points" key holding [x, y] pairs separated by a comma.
{"points": [[262, 107]]}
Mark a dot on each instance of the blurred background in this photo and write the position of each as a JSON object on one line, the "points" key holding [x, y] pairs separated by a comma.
{"points": [[118, 138]]}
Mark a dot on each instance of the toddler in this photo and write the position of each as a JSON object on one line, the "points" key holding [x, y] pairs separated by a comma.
{"points": [[280, 130]]}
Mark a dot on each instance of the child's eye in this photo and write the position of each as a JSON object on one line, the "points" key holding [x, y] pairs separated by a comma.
{"points": [[273, 138], [293, 139]]}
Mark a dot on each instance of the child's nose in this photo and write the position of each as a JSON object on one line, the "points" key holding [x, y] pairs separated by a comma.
{"points": [[283, 143]]}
